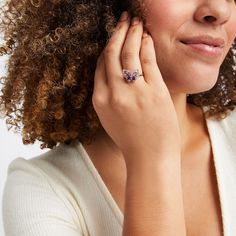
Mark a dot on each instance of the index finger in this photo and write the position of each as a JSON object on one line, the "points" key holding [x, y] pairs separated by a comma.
{"points": [[112, 52]]}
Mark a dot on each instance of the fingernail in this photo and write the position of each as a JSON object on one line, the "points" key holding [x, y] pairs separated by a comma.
{"points": [[145, 34], [124, 16], [135, 20]]}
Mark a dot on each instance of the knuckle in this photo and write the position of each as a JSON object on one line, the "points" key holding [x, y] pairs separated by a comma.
{"points": [[118, 102], [98, 100], [110, 50], [147, 60], [141, 103], [128, 55]]}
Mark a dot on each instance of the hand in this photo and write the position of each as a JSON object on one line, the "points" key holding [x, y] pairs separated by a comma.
{"points": [[139, 116]]}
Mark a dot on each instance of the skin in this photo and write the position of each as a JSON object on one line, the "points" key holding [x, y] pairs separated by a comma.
{"points": [[130, 108], [190, 75], [186, 19]]}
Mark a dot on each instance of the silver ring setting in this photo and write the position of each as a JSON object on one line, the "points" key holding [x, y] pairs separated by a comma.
{"points": [[131, 75]]}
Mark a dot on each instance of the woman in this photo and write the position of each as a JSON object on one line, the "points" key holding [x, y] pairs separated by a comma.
{"points": [[143, 115]]}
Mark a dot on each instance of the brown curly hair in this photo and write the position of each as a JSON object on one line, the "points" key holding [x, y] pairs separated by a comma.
{"points": [[53, 46]]}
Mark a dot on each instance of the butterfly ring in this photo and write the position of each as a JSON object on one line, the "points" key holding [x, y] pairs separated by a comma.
{"points": [[130, 75]]}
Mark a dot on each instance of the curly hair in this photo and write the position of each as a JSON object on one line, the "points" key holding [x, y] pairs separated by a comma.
{"points": [[53, 46]]}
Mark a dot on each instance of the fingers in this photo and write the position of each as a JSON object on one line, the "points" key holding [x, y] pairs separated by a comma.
{"points": [[131, 49], [100, 91], [148, 60], [112, 52]]}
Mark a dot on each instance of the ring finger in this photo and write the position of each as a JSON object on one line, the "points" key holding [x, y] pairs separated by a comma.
{"points": [[131, 49]]}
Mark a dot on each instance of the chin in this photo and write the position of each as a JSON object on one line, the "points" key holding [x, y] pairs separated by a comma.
{"points": [[200, 82], [189, 76]]}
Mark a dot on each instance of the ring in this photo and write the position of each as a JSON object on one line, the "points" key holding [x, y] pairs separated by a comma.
{"points": [[130, 75]]}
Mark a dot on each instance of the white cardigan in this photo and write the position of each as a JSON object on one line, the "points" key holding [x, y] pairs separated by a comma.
{"points": [[60, 192]]}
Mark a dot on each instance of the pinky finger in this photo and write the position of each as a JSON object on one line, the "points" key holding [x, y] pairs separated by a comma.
{"points": [[148, 60]]}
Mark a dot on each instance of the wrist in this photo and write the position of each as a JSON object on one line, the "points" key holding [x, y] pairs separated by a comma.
{"points": [[149, 160]]}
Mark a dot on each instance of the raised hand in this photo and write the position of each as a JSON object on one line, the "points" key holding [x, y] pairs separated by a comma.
{"points": [[139, 116]]}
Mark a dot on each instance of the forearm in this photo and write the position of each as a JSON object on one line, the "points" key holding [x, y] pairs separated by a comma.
{"points": [[154, 199]]}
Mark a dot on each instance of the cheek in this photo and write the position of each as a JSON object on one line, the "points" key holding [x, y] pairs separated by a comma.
{"points": [[166, 17], [231, 28], [156, 19], [231, 31]]}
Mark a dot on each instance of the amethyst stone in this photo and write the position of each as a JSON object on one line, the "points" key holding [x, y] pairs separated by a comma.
{"points": [[130, 76]]}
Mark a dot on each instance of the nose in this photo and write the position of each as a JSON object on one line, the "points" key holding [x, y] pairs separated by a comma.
{"points": [[215, 12]]}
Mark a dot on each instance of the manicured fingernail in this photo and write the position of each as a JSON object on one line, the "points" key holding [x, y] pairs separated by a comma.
{"points": [[124, 16], [135, 20]]}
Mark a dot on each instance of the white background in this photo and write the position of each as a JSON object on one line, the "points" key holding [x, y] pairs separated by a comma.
{"points": [[11, 146]]}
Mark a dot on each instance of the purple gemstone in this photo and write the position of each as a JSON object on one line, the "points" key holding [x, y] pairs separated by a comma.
{"points": [[130, 75]]}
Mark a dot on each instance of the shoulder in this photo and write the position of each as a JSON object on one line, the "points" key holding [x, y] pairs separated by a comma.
{"points": [[52, 164], [230, 120], [228, 124], [223, 131], [47, 166], [50, 170], [37, 198]]}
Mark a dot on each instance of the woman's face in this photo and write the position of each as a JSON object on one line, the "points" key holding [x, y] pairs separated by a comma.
{"points": [[192, 38]]}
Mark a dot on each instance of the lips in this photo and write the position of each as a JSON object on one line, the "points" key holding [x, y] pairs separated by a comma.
{"points": [[205, 39], [205, 45]]}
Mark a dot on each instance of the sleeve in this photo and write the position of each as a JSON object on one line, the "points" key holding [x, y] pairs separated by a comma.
{"points": [[31, 207]]}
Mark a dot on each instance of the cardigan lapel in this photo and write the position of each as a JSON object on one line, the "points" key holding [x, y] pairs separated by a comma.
{"points": [[223, 140]]}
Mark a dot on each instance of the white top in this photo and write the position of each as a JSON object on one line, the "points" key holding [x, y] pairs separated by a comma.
{"points": [[61, 192]]}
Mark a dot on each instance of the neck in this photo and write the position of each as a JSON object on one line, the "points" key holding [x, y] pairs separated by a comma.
{"points": [[190, 118]]}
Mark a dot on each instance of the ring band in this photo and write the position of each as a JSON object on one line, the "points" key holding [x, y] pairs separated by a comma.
{"points": [[131, 75]]}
